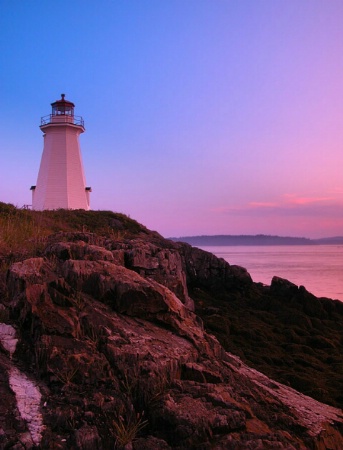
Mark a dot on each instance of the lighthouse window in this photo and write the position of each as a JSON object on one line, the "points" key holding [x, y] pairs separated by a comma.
{"points": [[62, 110]]}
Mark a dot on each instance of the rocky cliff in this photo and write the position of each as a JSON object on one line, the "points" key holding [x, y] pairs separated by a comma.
{"points": [[121, 340]]}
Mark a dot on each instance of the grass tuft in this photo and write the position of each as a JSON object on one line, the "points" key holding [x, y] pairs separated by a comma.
{"points": [[126, 430]]}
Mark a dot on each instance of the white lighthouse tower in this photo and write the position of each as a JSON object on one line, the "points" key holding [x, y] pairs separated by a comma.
{"points": [[61, 179]]}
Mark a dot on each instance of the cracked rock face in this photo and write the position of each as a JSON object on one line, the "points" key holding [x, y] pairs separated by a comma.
{"points": [[104, 351]]}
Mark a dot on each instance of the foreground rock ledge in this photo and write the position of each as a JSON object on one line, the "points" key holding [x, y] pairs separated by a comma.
{"points": [[105, 339]]}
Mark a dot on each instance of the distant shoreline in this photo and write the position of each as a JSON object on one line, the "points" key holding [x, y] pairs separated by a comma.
{"points": [[258, 240]]}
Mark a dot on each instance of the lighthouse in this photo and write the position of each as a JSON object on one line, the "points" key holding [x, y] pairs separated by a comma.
{"points": [[61, 179]]}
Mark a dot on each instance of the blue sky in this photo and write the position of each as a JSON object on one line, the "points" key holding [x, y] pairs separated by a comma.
{"points": [[202, 116]]}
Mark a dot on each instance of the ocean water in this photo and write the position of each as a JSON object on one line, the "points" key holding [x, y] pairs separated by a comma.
{"points": [[317, 267]]}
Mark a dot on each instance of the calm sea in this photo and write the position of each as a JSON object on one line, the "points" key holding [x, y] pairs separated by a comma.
{"points": [[317, 267]]}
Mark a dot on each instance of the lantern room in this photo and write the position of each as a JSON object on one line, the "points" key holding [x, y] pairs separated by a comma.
{"points": [[62, 107], [62, 112]]}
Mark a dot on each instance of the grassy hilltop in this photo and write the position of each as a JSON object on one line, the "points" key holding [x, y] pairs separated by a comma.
{"points": [[24, 232]]}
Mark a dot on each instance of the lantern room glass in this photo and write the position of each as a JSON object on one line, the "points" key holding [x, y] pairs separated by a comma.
{"points": [[62, 109]]}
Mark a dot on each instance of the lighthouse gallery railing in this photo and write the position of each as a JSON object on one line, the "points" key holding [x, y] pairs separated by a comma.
{"points": [[51, 118]]}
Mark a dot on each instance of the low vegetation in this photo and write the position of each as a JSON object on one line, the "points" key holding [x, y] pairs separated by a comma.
{"points": [[24, 233], [294, 339]]}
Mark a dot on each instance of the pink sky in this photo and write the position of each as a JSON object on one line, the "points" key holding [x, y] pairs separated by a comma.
{"points": [[202, 117]]}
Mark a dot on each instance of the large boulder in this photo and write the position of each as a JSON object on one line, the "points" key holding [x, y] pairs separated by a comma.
{"points": [[203, 269]]}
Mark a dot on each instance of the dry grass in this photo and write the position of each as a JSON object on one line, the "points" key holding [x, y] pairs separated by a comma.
{"points": [[126, 430], [20, 234], [24, 233], [67, 374]]}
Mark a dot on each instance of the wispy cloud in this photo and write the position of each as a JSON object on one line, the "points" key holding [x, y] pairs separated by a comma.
{"points": [[263, 204], [289, 205], [293, 199]]}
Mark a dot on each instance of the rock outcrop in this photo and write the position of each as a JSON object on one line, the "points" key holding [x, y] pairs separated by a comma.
{"points": [[102, 348]]}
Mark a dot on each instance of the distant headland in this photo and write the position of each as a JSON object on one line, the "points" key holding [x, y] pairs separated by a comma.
{"points": [[258, 239]]}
